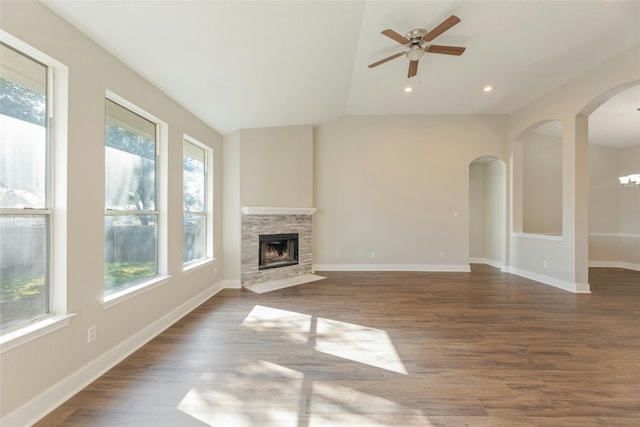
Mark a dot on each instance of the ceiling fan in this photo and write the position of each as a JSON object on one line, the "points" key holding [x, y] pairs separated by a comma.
{"points": [[418, 42]]}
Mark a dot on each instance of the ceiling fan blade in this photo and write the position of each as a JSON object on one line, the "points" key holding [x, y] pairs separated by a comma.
{"points": [[447, 50], [395, 36], [413, 69], [444, 26], [389, 58]]}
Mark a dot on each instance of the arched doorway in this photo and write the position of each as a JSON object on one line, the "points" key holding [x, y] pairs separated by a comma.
{"points": [[487, 211], [614, 151]]}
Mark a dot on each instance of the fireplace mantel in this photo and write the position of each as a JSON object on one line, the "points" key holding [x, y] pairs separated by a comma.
{"points": [[252, 210]]}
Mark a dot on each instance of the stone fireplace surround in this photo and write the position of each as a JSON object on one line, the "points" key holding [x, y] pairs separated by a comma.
{"points": [[274, 220]]}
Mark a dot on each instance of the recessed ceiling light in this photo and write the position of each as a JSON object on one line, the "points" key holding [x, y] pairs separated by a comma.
{"points": [[408, 89], [487, 88]]}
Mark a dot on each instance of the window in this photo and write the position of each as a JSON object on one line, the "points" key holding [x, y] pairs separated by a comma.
{"points": [[131, 213], [196, 227], [32, 166]]}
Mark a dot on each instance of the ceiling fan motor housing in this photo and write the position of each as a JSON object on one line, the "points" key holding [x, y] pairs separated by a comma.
{"points": [[416, 35], [416, 47]]}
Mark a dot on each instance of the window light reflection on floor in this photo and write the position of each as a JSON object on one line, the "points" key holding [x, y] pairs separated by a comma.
{"points": [[265, 394], [255, 393], [334, 405], [362, 344], [287, 324]]}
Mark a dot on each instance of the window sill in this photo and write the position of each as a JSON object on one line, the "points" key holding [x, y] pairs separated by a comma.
{"points": [[125, 294], [36, 330], [197, 265]]}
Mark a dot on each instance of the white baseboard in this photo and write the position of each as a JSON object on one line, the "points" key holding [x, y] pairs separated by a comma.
{"points": [[46, 402], [488, 261], [392, 267], [231, 284], [615, 264], [577, 288]]}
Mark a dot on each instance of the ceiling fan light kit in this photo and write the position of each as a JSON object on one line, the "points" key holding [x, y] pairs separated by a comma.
{"points": [[417, 43]]}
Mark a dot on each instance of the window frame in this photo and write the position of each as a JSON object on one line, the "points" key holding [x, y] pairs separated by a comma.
{"points": [[55, 208], [161, 277], [208, 204]]}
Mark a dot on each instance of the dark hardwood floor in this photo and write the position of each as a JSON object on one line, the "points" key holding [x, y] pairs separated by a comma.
{"points": [[386, 349]]}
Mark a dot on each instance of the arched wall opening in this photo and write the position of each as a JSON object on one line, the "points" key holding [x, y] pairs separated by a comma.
{"points": [[614, 151], [487, 211], [537, 180]]}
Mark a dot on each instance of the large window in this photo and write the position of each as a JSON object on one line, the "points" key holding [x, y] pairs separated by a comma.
{"points": [[131, 215], [25, 189], [195, 174]]}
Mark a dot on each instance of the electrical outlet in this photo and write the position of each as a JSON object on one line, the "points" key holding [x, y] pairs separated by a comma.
{"points": [[545, 263], [441, 254], [91, 334], [338, 254], [373, 254]]}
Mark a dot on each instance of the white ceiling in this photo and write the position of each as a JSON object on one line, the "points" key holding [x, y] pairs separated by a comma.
{"points": [[248, 64]]}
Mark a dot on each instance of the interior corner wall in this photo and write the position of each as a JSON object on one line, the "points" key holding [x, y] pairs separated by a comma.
{"points": [[604, 189], [37, 374], [477, 211], [231, 208], [487, 211], [392, 192], [542, 184], [630, 197], [495, 212]]}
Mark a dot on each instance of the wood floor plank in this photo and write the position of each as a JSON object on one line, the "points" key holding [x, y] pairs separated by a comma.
{"points": [[484, 348]]}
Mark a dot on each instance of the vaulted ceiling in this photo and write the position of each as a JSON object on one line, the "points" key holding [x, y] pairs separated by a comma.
{"points": [[248, 64]]}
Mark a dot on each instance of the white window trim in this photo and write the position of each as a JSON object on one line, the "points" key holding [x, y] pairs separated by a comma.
{"points": [[132, 291], [208, 164], [192, 266], [58, 93], [162, 151], [35, 330]]}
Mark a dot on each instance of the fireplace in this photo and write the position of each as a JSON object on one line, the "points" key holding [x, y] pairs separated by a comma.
{"points": [[277, 250], [257, 222]]}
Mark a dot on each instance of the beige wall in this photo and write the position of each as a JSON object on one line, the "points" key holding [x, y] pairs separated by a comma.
{"points": [[392, 186], [33, 368], [276, 167]]}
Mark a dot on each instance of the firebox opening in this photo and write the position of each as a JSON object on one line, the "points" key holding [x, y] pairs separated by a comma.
{"points": [[277, 250]]}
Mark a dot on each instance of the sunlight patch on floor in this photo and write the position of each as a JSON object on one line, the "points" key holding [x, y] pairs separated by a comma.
{"points": [[287, 324], [361, 344], [256, 393], [334, 405]]}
